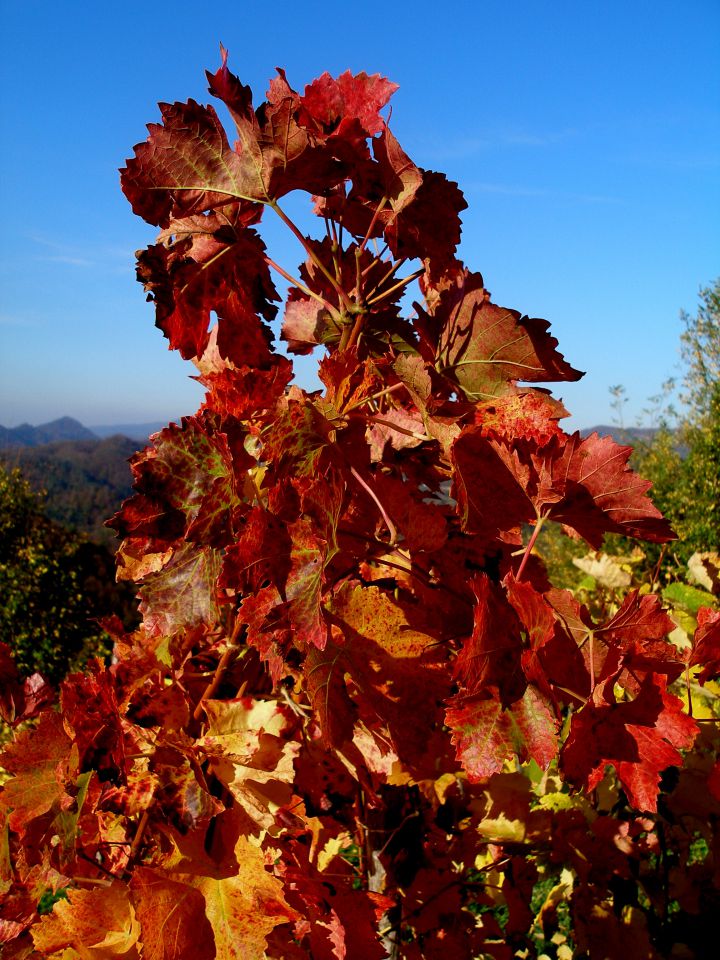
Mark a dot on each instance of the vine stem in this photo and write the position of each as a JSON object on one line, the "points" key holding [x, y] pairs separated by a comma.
{"points": [[220, 670], [408, 433], [349, 339], [295, 230], [301, 286], [96, 881], [531, 544], [396, 286], [137, 839], [373, 396], [368, 489], [377, 213], [656, 571]]}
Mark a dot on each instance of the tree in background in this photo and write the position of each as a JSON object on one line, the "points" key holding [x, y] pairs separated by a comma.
{"points": [[54, 584], [699, 522], [684, 463]]}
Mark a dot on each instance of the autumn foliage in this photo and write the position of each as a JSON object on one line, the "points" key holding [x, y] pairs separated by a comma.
{"points": [[357, 719]]}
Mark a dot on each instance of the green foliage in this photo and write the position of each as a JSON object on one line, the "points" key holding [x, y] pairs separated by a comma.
{"points": [[700, 348], [53, 585], [82, 481], [687, 488]]}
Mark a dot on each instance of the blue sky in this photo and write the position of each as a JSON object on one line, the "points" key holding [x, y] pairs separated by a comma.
{"points": [[585, 135]]}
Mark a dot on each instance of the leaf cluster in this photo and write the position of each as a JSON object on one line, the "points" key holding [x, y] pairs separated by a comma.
{"points": [[357, 719]]}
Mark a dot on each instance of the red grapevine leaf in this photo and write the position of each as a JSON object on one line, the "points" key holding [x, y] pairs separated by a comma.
{"points": [[584, 484], [381, 431], [185, 484], [308, 558], [429, 225], [401, 177], [423, 525], [249, 751], [490, 658], [390, 654], [706, 645], [486, 735], [324, 672], [482, 734], [244, 391], [635, 638], [602, 493], [186, 166], [298, 440], [183, 594], [640, 738], [489, 497], [537, 726], [208, 265], [335, 918], [181, 798], [90, 705], [552, 660], [305, 322], [261, 554], [238, 99], [528, 414], [268, 629], [18, 911], [483, 347], [331, 105], [20, 700], [281, 151]]}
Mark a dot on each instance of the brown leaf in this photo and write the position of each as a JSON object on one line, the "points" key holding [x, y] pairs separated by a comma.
{"points": [[171, 916], [244, 908]]}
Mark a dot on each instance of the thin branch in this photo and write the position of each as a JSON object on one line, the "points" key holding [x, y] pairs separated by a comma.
{"points": [[369, 230], [351, 338], [368, 489], [396, 286], [373, 396], [220, 670], [301, 286], [137, 839], [531, 544], [408, 433], [344, 299]]}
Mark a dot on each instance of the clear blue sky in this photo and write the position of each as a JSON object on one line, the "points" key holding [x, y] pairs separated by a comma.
{"points": [[585, 135]]}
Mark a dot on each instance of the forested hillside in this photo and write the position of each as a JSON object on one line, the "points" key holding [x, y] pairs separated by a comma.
{"points": [[55, 585], [83, 481]]}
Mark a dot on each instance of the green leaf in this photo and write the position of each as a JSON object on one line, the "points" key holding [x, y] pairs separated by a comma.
{"points": [[687, 597]]}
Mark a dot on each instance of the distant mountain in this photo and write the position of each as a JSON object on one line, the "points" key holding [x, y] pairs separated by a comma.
{"points": [[28, 436], [136, 431], [84, 481], [624, 435]]}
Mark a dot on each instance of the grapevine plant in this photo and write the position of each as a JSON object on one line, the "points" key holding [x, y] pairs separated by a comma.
{"points": [[357, 719]]}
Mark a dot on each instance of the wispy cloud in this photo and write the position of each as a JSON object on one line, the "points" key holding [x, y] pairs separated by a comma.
{"points": [[105, 256], [459, 149], [62, 252], [73, 261], [519, 190], [13, 320], [669, 162]]}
